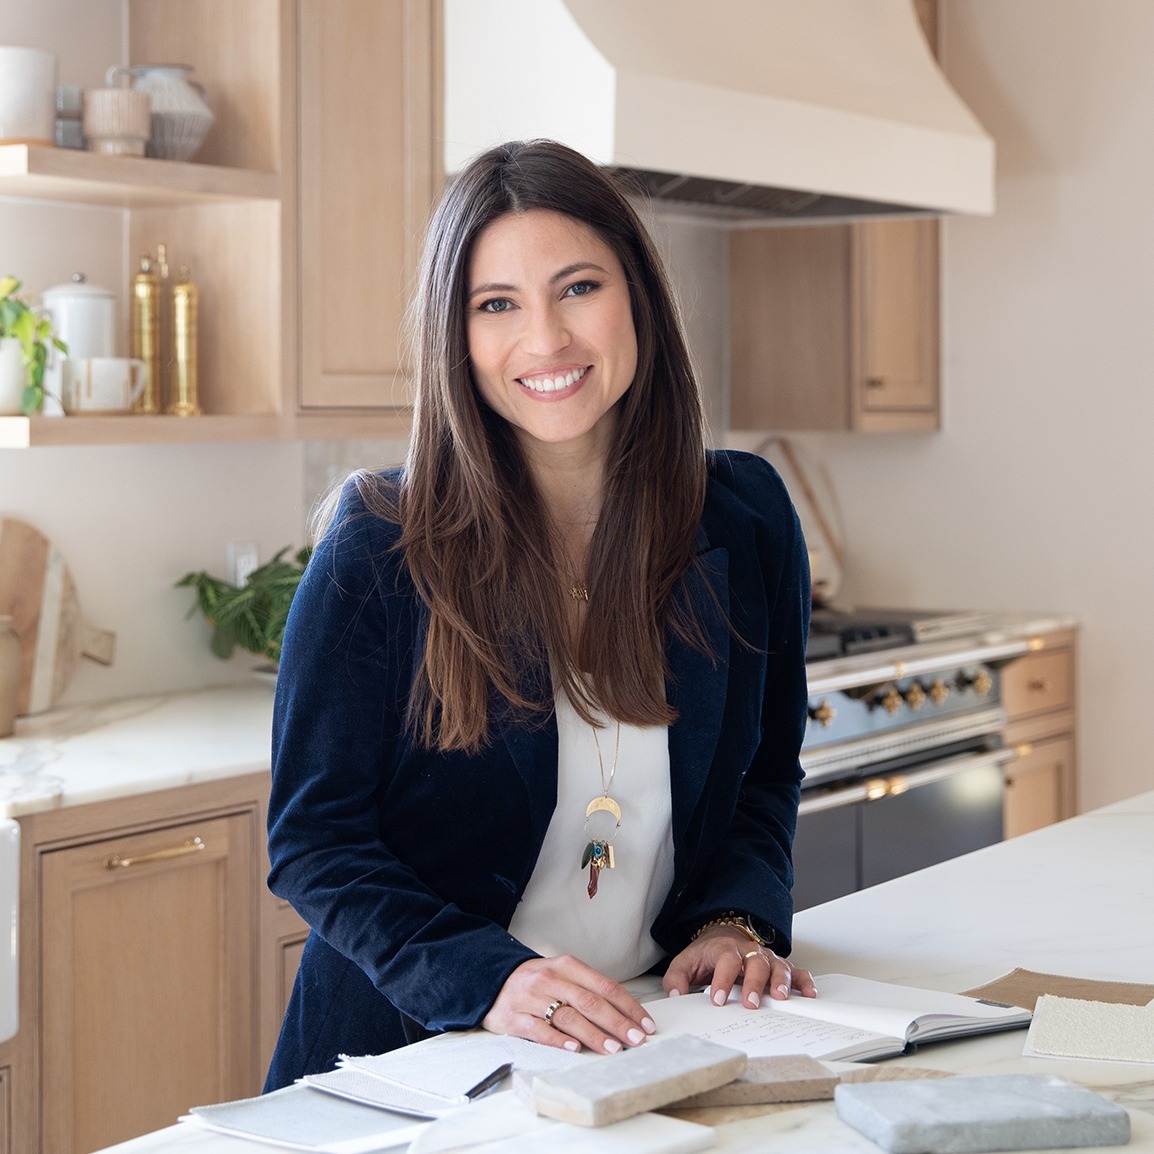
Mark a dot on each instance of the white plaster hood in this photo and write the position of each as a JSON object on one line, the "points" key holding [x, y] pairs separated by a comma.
{"points": [[756, 107]]}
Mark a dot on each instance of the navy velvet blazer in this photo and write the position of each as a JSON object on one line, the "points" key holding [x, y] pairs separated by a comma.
{"points": [[408, 864]]}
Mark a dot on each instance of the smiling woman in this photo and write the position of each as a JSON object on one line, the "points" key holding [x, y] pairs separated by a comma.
{"points": [[542, 690], [551, 338]]}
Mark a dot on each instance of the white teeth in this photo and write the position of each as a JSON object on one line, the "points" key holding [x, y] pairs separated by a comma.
{"points": [[552, 384]]}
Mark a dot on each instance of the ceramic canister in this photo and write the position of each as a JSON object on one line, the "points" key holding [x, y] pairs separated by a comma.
{"points": [[27, 96], [83, 316]]}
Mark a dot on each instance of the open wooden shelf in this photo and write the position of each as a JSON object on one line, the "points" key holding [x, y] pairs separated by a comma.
{"points": [[70, 176], [29, 432]]}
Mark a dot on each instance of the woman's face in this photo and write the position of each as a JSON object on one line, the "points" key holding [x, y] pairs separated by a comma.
{"points": [[550, 329]]}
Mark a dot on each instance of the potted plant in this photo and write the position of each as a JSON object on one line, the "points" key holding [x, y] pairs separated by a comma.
{"points": [[24, 340], [252, 615]]}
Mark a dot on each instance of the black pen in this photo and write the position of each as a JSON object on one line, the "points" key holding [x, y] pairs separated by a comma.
{"points": [[490, 1082]]}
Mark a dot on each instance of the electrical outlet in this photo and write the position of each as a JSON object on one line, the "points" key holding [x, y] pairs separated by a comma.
{"points": [[242, 560]]}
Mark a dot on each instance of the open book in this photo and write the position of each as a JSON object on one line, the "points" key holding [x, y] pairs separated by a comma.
{"points": [[851, 1019]]}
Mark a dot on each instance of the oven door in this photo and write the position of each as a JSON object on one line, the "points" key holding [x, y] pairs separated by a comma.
{"points": [[867, 830]]}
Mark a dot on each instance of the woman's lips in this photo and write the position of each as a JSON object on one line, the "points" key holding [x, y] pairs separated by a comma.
{"points": [[555, 383]]}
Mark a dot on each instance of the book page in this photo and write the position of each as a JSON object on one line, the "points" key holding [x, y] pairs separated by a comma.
{"points": [[762, 1033], [891, 1009], [847, 1010], [448, 1065], [298, 1118]]}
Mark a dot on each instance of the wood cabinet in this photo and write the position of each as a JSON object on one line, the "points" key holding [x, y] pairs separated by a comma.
{"points": [[1039, 697], [299, 219], [153, 964], [835, 326]]}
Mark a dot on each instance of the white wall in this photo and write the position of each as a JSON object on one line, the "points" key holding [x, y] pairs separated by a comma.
{"points": [[1037, 494]]}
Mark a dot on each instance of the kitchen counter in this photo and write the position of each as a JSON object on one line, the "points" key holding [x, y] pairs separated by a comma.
{"points": [[136, 745], [1073, 898], [89, 753]]}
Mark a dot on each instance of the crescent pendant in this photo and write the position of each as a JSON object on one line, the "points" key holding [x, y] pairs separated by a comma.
{"points": [[607, 803]]}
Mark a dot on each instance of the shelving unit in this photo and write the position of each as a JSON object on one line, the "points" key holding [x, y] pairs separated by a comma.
{"points": [[298, 317]]}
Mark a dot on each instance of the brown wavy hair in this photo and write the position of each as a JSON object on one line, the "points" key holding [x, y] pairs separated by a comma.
{"points": [[477, 538]]}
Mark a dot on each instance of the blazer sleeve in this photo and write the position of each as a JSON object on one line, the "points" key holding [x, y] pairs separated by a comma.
{"points": [[338, 742], [743, 858]]}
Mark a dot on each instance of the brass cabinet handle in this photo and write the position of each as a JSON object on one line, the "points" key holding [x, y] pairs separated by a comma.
{"points": [[1039, 685], [115, 861], [875, 382]]}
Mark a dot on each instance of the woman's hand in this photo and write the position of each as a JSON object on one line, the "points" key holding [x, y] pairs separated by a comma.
{"points": [[564, 1002], [721, 956]]}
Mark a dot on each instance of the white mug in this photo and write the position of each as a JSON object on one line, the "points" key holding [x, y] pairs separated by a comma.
{"points": [[102, 384]]}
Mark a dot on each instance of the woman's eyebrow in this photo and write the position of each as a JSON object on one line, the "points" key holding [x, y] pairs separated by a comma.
{"points": [[559, 275]]}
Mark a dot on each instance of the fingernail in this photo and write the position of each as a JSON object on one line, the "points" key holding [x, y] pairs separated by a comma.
{"points": [[636, 1037], [675, 993], [649, 1025], [719, 998], [574, 1046], [612, 1045], [783, 990], [754, 999]]}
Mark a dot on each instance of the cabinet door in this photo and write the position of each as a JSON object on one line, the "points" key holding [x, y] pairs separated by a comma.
{"points": [[366, 107], [147, 987], [835, 326], [897, 323], [1036, 784]]}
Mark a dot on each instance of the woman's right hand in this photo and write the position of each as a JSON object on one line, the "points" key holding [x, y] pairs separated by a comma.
{"points": [[591, 1009]]}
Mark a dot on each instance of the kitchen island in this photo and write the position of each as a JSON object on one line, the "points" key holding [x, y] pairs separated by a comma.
{"points": [[1074, 898]]}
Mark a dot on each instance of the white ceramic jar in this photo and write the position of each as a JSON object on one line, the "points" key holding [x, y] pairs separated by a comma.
{"points": [[83, 316], [27, 96], [181, 116]]}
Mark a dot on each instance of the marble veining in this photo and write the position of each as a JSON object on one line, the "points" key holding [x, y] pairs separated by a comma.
{"points": [[118, 748]]}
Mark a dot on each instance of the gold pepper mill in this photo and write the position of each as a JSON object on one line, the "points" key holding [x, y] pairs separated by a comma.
{"points": [[183, 402], [146, 304]]}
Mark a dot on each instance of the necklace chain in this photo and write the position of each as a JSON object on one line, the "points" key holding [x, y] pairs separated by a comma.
{"points": [[605, 788]]}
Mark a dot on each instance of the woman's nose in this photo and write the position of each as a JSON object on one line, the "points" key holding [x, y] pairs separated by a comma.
{"points": [[545, 331]]}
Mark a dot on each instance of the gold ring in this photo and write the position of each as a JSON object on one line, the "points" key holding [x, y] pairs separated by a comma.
{"points": [[754, 954], [553, 1008]]}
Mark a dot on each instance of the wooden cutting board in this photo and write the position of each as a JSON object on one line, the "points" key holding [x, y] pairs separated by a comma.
{"points": [[38, 593]]}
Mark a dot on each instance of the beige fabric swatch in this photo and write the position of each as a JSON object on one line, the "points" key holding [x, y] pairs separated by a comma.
{"points": [[1073, 1028]]}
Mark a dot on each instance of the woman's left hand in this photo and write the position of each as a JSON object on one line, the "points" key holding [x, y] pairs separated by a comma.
{"points": [[722, 956]]}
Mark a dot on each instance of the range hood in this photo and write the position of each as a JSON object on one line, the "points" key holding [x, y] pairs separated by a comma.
{"points": [[744, 108]]}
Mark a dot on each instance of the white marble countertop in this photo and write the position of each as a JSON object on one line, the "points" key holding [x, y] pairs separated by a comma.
{"points": [[114, 749], [136, 745], [1075, 898]]}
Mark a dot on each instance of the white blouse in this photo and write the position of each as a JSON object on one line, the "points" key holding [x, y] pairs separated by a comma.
{"points": [[556, 916]]}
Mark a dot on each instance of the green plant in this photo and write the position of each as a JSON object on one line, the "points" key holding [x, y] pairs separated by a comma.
{"points": [[34, 333], [252, 616]]}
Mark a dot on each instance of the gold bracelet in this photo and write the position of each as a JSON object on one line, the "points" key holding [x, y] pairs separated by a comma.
{"points": [[739, 922]]}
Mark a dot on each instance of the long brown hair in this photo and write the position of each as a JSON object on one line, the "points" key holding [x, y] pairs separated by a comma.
{"points": [[476, 536]]}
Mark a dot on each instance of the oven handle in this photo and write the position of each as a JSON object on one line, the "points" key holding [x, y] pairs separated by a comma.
{"points": [[876, 788]]}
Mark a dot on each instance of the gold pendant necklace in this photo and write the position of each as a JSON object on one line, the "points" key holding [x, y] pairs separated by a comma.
{"points": [[578, 591], [598, 853]]}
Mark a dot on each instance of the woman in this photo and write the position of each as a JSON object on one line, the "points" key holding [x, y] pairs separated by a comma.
{"points": [[543, 689]]}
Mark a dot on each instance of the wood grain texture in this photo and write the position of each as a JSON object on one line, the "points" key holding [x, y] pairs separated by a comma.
{"points": [[38, 592]]}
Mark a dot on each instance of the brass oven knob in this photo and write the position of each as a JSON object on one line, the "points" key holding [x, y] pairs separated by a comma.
{"points": [[891, 700], [823, 714], [939, 691], [915, 696], [982, 683]]}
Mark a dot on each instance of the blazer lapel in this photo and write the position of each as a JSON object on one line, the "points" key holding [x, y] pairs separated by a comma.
{"points": [[697, 689]]}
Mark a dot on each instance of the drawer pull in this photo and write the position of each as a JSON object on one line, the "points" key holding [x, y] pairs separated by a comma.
{"points": [[115, 861], [1039, 685]]}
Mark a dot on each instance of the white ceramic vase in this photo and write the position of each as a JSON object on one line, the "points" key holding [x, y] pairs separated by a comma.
{"points": [[180, 113], [12, 377]]}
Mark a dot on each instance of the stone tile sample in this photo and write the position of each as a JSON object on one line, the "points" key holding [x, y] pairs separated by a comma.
{"points": [[788, 1078], [618, 1086], [973, 1115]]}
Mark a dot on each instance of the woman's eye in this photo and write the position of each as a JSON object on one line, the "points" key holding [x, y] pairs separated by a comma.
{"points": [[495, 305], [582, 288]]}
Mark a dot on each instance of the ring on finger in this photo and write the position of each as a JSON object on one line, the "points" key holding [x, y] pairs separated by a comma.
{"points": [[756, 954], [552, 1009]]}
